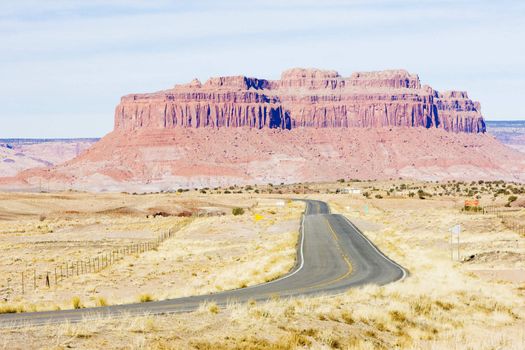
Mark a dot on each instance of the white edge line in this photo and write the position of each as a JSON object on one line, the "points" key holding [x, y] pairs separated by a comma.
{"points": [[301, 257], [403, 270]]}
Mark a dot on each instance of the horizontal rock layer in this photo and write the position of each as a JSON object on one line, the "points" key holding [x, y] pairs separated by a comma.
{"points": [[168, 159], [303, 98]]}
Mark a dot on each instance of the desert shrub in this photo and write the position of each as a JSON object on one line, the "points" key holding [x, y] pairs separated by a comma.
{"points": [[378, 196], [101, 301], [512, 198], [237, 211], [341, 180], [227, 192], [213, 308], [472, 208], [11, 309], [77, 303], [398, 316], [422, 194], [145, 298]]}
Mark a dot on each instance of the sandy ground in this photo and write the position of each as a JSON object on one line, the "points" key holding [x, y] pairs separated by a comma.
{"points": [[211, 252], [443, 304]]}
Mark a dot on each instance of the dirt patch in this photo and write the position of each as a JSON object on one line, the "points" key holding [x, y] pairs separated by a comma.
{"points": [[499, 256]]}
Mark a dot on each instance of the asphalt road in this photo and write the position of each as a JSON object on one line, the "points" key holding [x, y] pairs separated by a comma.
{"points": [[333, 256]]}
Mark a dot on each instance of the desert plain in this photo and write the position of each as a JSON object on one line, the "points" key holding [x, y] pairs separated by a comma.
{"points": [[471, 301]]}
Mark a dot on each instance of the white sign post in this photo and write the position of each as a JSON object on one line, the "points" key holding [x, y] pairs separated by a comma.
{"points": [[454, 231]]}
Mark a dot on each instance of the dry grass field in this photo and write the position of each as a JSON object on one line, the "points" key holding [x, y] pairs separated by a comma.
{"points": [[474, 302], [212, 250]]}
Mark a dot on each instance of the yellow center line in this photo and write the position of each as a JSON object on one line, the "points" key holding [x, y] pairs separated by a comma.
{"points": [[339, 246], [350, 270]]}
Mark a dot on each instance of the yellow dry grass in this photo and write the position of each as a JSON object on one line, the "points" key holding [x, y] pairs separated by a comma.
{"points": [[211, 251], [444, 304]]}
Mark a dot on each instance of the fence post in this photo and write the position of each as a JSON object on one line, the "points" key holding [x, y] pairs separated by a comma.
{"points": [[34, 278], [47, 280], [56, 281], [23, 291]]}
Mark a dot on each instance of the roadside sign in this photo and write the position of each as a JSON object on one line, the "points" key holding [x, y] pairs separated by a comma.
{"points": [[454, 236], [471, 203], [280, 203], [365, 209]]}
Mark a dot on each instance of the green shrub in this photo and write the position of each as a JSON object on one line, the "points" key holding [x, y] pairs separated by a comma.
{"points": [[237, 211]]}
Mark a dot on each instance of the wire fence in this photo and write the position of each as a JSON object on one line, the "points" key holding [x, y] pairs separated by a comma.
{"points": [[499, 211], [31, 280], [512, 223]]}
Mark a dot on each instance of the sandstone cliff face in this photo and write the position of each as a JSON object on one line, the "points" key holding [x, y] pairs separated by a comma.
{"points": [[303, 98]]}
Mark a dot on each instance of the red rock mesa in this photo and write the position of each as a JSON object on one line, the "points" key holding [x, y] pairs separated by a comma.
{"points": [[311, 125], [303, 98]]}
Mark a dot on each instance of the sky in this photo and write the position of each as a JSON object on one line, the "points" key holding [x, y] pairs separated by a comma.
{"points": [[64, 64]]}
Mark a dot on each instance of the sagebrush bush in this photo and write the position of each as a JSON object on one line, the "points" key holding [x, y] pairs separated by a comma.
{"points": [[237, 211]]}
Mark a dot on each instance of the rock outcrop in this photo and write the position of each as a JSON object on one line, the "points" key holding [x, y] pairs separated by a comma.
{"points": [[303, 98]]}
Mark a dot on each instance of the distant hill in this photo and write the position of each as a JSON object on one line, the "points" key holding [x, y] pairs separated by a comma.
{"points": [[21, 154], [509, 132], [23, 141]]}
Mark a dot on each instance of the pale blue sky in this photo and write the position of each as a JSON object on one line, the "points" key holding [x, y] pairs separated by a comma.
{"points": [[64, 64]]}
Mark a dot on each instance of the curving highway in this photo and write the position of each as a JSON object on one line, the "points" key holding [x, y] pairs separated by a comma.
{"points": [[333, 256]]}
